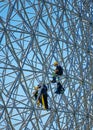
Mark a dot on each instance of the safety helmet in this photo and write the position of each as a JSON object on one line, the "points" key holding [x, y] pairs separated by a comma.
{"points": [[36, 88], [55, 63]]}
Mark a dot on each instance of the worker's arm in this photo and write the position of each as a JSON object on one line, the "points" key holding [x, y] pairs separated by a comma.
{"points": [[56, 71]]}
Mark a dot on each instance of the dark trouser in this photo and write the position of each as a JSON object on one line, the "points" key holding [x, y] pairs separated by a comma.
{"points": [[44, 101], [59, 88]]}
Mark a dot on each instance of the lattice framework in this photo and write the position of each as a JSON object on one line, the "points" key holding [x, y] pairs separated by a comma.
{"points": [[33, 34]]}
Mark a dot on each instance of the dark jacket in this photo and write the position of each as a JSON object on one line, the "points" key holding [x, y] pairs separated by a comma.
{"points": [[59, 70]]}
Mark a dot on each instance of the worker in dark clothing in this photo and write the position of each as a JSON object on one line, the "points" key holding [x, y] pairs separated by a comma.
{"points": [[60, 89], [42, 99], [44, 96], [58, 72]]}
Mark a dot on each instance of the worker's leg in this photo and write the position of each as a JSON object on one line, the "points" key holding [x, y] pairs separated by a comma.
{"points": [[39, 101], [44, 101], [60, 88], [36, 95], [53, 78]]}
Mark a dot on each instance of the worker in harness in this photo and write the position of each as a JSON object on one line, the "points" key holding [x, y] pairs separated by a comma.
{"points": [[41, 95], [57, 72]]}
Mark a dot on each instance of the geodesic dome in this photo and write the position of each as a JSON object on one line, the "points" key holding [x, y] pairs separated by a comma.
{"points": [[34, 34]]}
